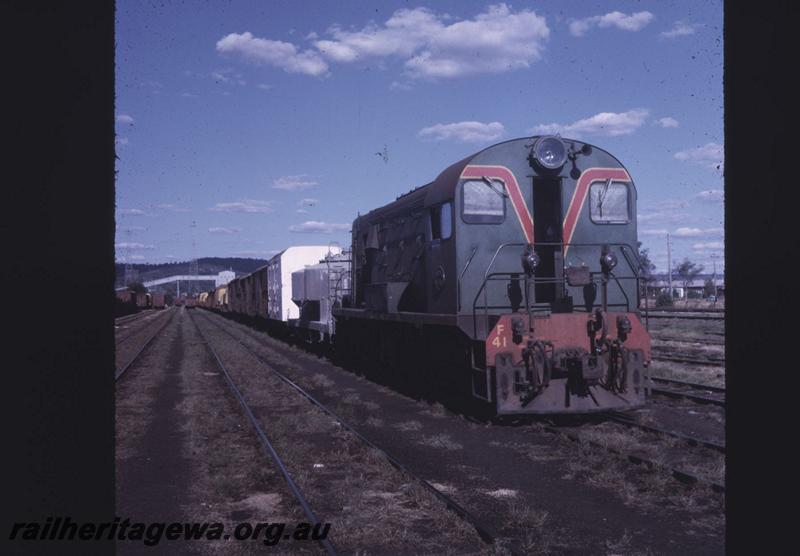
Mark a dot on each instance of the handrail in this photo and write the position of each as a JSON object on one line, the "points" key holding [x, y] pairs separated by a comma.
{"points": [[460, 276], [635, 266]]}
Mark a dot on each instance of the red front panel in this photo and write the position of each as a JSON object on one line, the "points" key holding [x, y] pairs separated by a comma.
{"points": [[565, 330]]}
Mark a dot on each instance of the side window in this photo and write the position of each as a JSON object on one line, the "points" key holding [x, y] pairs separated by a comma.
{"points": [[608, 202], [446, 220], [483, 203], [442, 221]]}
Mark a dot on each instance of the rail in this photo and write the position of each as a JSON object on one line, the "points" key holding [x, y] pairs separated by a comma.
{"points": [[269, 449], [119, 372], [484, 531], [682, 475]]}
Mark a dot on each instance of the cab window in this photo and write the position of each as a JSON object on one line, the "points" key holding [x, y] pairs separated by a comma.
{"points": [[442, 221], [483, 202], [608, 201]]}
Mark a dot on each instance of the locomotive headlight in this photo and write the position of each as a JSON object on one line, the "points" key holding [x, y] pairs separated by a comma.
{"points": [[608, 260], [549, 152], [530, 260]]}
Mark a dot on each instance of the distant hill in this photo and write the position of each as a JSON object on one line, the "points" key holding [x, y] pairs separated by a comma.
{"points": [[209, 265]]}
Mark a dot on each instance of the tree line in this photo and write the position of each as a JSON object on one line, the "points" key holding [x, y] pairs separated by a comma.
{"points": [[684, 273]]}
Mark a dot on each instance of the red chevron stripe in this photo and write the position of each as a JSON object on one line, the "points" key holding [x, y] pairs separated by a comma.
{"points": [[588, 177], [512, 187]]}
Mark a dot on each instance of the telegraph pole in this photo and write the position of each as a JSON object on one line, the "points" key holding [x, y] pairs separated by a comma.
{"points": [[193, 270], [669, 266], [128, 270], [714, 275]]}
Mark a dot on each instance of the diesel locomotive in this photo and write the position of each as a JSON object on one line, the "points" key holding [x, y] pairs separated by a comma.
{"points": [[511, 280]]}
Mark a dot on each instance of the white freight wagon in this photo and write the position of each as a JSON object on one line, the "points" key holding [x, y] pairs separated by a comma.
{"points": [[279, 275]]}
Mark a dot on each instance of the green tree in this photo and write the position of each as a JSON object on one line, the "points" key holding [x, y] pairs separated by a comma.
{"points": [[664, 300], [708, 287], [687, 271], [647, 266], [645, 270]]}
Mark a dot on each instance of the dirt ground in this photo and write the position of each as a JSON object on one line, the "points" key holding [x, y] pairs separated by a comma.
{"points": [[373, 508], [184, 452], [542, 493], [131, 336], [690, 329]]}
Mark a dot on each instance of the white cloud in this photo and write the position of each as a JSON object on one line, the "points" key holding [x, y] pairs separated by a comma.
{"points": [[280, 54], [121, 140], [219, 77], [124, 119], [130, 228], [172, 208], [313, 226], [294, 183], [661, 217], [134, 212], [188, 95], [667, 122], [709, 246], [228, 76], [658, 232], [264, 86], [605, 123], [682, 232], [688, 232], [246, 206], [400, 86], [133, 245], [710, 155], [634, 22], [224, 230], [711, 196], [463, 131], [495, 41], [680, 29], [665, 204], [698, 232], [301, 211], [308, 202]]}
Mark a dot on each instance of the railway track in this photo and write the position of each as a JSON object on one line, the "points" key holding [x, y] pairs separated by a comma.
{"points": [[707, 361], [121, 371], [485, 533], [705, 341], [690, 316], [718, 311], [700, 393], [680, 474], [127, 319], [269, 449], [676, 389], [136, 331], [627, 420]]}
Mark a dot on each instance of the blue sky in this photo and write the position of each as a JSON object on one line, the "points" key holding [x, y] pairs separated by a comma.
{"points": [[246, 127]]}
